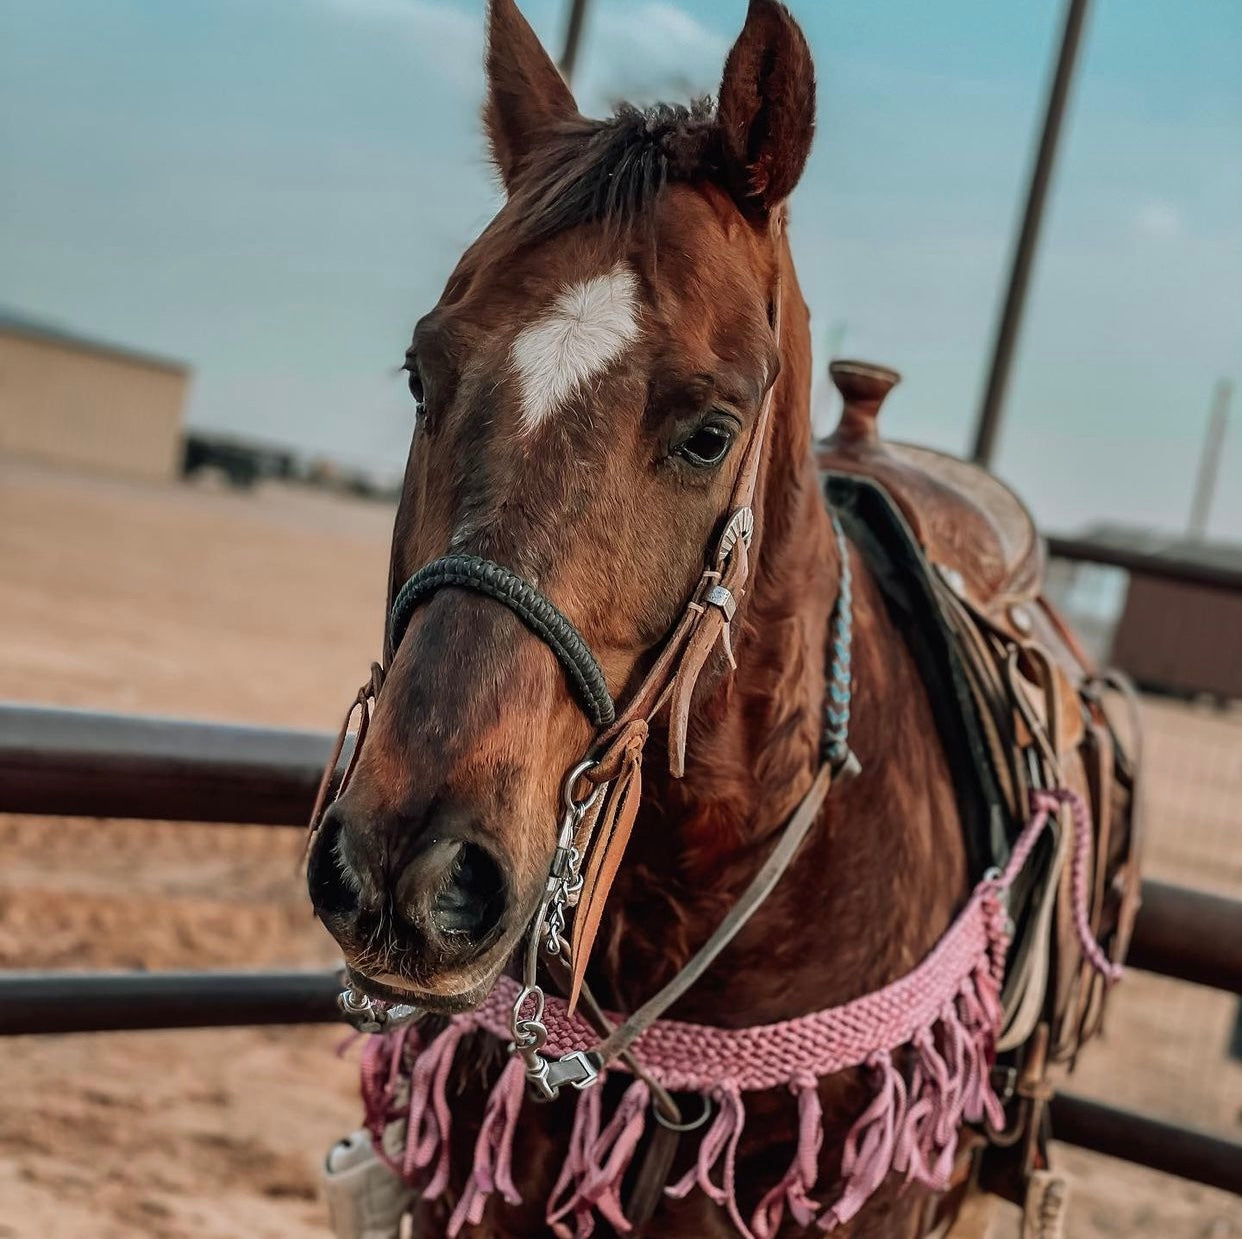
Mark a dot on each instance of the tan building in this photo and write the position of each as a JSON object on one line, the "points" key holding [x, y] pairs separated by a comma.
{"points": [[85, 405]]}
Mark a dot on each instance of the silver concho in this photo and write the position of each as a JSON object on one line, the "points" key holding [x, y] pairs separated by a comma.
{"points": [[740, 525]]}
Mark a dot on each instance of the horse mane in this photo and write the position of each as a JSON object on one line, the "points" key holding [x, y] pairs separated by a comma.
{"points": [[613, 171]]}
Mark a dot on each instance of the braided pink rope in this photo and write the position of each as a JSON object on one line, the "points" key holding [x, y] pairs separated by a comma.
{"points": [[1047, 804], [943, 1017]]}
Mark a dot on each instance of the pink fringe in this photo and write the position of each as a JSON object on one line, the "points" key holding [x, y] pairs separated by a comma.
{"points": [[566, 1201], [940, 1080], [610, 1158], [493, 1150], [429, 1119], [794, 1190], [910, 1127], [719, 1145]]}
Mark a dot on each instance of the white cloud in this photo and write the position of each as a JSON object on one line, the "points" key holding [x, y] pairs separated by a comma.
{"points": [[652, 50], [1158, 221], [648, 51], [449, 39]]}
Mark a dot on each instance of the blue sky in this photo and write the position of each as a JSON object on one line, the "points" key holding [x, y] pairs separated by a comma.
{"points": [[275, 190]]}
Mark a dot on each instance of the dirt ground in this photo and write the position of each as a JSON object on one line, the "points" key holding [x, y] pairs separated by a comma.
{"points": [[266, 607]]}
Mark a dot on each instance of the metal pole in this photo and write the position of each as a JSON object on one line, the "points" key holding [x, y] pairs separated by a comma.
{"points": [[1196, 1155], [71, 1002], [77, 763], [1028, 237], [573, 37], [1209, 463], [1181, 933]]}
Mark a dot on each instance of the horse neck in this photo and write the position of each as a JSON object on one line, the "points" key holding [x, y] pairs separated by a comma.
{"points": [[754, 746]]}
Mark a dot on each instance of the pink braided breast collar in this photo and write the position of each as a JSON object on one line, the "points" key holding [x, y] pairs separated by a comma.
{"points": [[928, 1038]]}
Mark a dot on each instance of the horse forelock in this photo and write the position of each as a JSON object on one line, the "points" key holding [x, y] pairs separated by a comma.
{"points": [[613, 171]]}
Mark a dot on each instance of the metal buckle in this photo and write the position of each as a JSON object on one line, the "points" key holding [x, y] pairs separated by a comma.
{"points": [[719, 596], [1004, 1083], [692, 1125], [368, 1015], [547, 1076]]}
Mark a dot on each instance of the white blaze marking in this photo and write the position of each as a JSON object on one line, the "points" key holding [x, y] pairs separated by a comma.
{"points": [[586, 329]]}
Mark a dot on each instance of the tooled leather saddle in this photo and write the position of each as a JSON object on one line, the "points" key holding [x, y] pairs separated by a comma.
{"points": [[1018, 706]]}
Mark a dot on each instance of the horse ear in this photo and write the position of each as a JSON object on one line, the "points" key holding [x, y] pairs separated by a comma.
{"points": [[767, 108], [526, 94]]}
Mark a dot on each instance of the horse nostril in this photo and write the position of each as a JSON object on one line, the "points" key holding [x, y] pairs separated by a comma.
{"points": [[333, 887], [469, 901]]}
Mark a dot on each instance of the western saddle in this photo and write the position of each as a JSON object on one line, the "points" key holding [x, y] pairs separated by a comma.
{"points": [[1019, 707]]}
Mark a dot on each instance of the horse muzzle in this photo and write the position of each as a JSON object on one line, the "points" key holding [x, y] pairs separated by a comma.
{"points": [[422, 922]]}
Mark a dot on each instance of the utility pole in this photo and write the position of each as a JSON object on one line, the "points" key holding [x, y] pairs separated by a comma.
{"points": [[573, 37], [1209, 462], [1028, 237]]}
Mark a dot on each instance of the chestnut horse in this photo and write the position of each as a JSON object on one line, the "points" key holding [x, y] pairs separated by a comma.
{"points": [[584, 388]]}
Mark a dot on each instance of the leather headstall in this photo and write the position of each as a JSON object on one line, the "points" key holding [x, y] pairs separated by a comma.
{"points": [[603, 791]]}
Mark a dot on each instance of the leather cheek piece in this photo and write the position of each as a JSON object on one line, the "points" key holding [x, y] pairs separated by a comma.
{"points": [[538, 613]]}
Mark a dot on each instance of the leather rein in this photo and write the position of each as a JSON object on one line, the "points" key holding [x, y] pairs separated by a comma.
{"points": [[601, 793]]}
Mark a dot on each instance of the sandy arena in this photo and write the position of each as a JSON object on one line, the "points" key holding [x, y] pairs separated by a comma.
{"points": [[266, 608]]}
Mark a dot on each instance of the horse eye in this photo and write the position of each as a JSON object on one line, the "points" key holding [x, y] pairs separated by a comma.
{"points": [[416, 383], [708, 446]]}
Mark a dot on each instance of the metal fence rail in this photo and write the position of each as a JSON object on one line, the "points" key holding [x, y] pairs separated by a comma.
{"points": [[1138, 1138], [88, 1002], [126, 1002], [1143, 563], [74, 763]]}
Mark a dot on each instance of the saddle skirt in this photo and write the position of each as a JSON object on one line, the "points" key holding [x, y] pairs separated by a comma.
{"points": [[1019, 706]]}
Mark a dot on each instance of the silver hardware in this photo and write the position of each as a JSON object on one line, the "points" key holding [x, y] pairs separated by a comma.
{"points": [[370, 1015], [994, 874], [528, 1030], [1020, 617], [953, 579], [1004, 1083], [846, 767], [719, 596], [693, 1125], [549, 1075], [567, 789], [546, 1076], [565, 881], [741, 524]]}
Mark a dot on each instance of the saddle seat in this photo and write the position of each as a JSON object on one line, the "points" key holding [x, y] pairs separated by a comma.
{"points": [[974, 531]]}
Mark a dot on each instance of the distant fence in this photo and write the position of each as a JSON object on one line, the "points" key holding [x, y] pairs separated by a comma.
{"points": [[73, 763], [1142, 563]]}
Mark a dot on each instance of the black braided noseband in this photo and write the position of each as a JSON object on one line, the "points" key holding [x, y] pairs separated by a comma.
{"points": [[528, 604]]}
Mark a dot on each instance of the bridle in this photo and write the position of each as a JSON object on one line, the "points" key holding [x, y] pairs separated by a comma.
{"points": [[601, 792]]}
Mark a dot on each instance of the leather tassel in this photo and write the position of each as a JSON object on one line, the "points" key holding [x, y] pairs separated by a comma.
{"points": [[612, 834], [707, 633]]}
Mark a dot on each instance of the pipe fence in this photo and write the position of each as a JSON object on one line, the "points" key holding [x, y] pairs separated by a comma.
{"points": [[56, 762]]}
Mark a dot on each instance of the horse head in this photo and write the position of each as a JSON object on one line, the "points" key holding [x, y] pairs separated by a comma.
{"points": [[584, 392]]}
